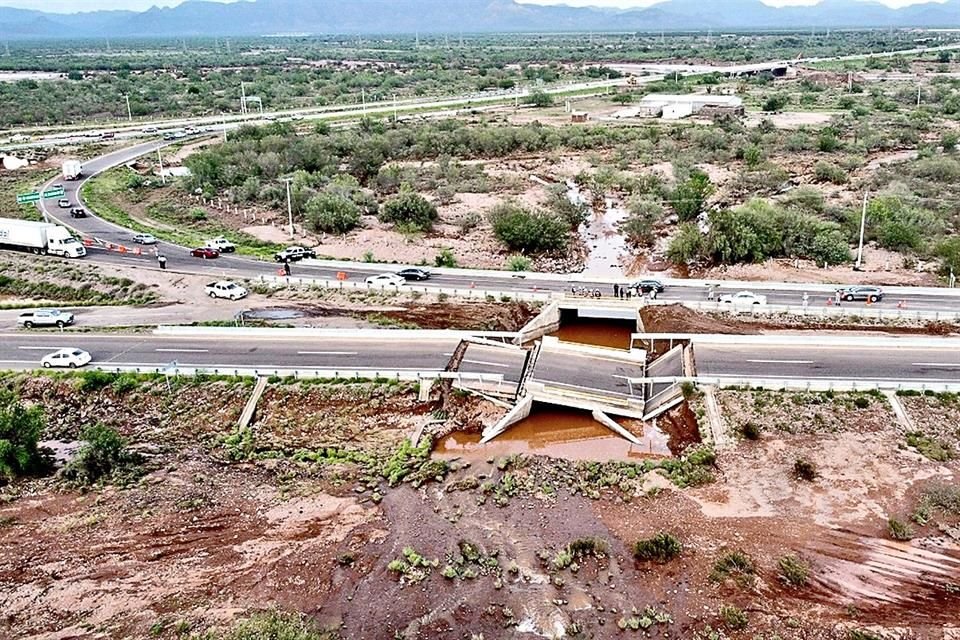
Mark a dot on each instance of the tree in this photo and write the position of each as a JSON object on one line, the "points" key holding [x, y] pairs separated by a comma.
{"points": [[830, 246], [528, 232], [644, 215], [332, 213], [409, 209], [103, 456], [949, 253], [574, 213], [776, 102], [20, 430], [690, 196], [540, 99], [687, 246]]}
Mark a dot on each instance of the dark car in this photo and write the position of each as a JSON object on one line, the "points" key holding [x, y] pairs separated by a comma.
{"points": [[646, 286], [873, 294], [77, 212], [294, 254], [205, 253], [414, 274]]}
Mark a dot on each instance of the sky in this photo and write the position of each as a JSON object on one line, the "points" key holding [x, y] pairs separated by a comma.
{"points": [[71, 6]]}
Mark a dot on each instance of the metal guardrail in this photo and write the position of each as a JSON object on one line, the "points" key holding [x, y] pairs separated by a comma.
{"points": [[343, 334], [819, 384], [341, 374], [470, 293]]}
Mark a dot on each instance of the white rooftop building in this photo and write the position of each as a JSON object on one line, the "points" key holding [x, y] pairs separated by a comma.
{"points": [[674, 107]]}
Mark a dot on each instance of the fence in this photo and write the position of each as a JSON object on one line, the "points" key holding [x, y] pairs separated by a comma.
{"points": [[817, 384]]}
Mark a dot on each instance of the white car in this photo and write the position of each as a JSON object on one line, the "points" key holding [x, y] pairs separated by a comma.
{"points": [[144, 238], [743, 298], [221, 244], [226, 289], [386, 279], [71, 358]]}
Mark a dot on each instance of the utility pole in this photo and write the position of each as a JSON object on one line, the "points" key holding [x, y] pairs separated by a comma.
{"points": [[918, 93], [394, 108], [126, 96], [289, 206], [863, 226], [363, 99], [163, 178], [243, 99], [223, 119]]}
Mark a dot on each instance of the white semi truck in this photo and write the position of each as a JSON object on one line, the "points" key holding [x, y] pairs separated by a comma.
{"points": [[72, 169], [40, 238]]}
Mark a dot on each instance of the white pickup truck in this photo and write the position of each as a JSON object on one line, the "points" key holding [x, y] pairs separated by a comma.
{"points": [[221, 244], [226, 289]]}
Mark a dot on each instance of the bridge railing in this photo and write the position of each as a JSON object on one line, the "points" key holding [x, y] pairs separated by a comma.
{"points": [[305, 373]]}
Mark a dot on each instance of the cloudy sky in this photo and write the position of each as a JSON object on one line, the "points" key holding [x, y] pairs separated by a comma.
{"points": [[69, 6]]}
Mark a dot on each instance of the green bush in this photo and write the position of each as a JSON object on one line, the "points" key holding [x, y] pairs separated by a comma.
{"points": [[793, 571], [687, 245], [20, 430], [733, 617], [409, 209], [519, 263], [930, 447], [103, 456], [528, 232], [899, 530], [273, 625], [689, 198], [750, 430], [829, 172], [661, 548], [332, 213], [805, 470], [733, 564], [445, 259], [539, 99], [776, 102]]}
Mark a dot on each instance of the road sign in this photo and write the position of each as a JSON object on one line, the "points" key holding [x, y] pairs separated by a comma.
{"points": [[56, 192], [26, 198]]}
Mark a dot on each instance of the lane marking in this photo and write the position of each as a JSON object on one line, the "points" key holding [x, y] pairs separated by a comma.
{"points": [[949, 365], [781, 361], [326, 353], [182, 350], [488, 364], [41, 348]]}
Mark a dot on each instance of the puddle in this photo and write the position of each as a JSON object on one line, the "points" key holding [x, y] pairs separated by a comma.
{"points": [[598, 332], [274, 313], [63, 450], [557, 433]]}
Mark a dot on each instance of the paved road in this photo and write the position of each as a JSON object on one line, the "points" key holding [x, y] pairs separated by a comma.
{"points": [[843, 363]]}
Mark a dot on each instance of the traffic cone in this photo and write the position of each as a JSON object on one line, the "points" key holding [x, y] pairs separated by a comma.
{"points": [[869, 302], [473, 285], [902, 304], [829, 302]]}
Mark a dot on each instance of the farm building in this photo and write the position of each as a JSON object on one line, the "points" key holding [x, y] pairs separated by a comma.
{"points": [[674, 107]]}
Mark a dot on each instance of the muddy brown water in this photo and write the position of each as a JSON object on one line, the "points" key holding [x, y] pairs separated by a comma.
{"points": [[556, 433], [598, 332]]}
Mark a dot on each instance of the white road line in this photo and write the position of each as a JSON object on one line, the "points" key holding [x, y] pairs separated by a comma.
{"points": [[182, 350], [489, 364], [781, 361], [326, 353], [41, 348], [936, 364]]}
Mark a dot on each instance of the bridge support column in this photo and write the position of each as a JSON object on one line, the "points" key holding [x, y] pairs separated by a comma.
{"points": [[611, 424], [547, 321], [520, 411], [426, 384], [251, 407]]}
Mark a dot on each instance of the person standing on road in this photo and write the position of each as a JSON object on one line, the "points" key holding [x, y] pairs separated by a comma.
{"points": [[616, 290], [286, 269], [837, 297], [162, 261], [806, 299]]}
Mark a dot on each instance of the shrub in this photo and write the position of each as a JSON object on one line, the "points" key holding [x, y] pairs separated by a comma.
{"points": [[733, 564], [899, 530], [688, 245], [733, 617], [94, 380], [518, 263], [409, 209], [861, 403], [690, 196], [273, 625], [528, 232], [539, 99], [559, 203], [930, 447], [104, 456], [750, 430], [793, 571], [661, 548], [20, 430], [332, 213], [775, 102], [829, 172], [445, 259], [803, 469]]}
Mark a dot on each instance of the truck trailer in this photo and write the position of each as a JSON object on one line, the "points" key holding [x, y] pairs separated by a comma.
{"points": [[40, 238], [72, 169]]}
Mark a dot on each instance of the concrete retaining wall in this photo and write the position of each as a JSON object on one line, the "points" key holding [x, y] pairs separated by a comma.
{"points": [[547, 321]]}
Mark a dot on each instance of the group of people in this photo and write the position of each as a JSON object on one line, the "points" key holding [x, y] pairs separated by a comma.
{"points": [[626, 292]]}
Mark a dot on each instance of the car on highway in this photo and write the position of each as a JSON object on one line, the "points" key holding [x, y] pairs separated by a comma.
{"points": [[108, 135], [149, 129], [294, 254], [742, 298], [385, 280], [205, 252], [144, 238], [63, 203], [78, 212], [221, 244], [414, 273], [69, 357], [45, 318], [873, 294], [646, 286], [226, 289]]}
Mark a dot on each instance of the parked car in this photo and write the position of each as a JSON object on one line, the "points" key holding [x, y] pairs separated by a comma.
{"points": [[45, 318], [294, 254], [70, 357], [205, 253], [221, 244], [226, 289], [149, 129], [646, 286], [144, 238], [873, 294], [63, 203], [414, 273], [78, 212], [386, 279], [108, 135], [742, 298]]}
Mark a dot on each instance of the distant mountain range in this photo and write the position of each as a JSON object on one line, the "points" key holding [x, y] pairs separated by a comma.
{"points": [[268, 17]]}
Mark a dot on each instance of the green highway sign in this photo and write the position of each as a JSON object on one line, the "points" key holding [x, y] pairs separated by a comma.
{"points": [[56, 192], [26, 198]]}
